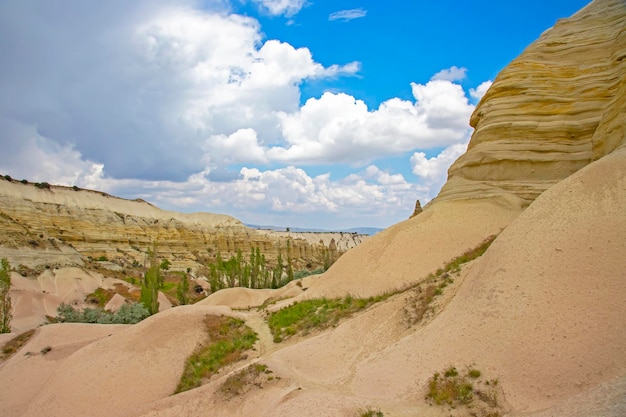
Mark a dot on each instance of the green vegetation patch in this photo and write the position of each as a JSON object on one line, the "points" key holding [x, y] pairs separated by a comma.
{"points": [[228, 339], [455, 389], [130, 313], [469, 255], [100, 296], [320, 313]]}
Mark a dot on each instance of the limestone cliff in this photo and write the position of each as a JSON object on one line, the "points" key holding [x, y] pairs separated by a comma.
{"points": [[64, 224]]}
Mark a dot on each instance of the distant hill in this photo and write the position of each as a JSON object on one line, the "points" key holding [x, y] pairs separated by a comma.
{"points": [[369, 231]]}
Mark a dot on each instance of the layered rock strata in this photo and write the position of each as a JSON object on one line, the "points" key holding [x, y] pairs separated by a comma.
{"points": [[550, 112], [61, 224]]}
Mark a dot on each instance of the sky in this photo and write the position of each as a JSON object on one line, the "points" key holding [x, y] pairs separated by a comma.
{"points": [[296, 113]]}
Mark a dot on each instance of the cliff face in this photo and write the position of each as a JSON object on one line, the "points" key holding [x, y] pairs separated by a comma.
{"points": [[555, 109], [550, 112], [59, 221]]}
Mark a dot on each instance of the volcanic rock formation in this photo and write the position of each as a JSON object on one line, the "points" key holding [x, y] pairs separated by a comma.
{"points": [[541, 312]]}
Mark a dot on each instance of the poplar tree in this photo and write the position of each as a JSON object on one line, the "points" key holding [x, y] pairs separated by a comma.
{"points": [[151, 282], [289, 266], [5, 297], [183, 288]]}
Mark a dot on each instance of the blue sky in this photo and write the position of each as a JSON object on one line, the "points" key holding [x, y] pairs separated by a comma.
{"points": [[320, 114]]}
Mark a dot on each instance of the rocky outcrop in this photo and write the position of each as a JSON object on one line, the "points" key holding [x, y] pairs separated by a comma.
{"points": [[418, 209], [537, 123], [62, 225]]}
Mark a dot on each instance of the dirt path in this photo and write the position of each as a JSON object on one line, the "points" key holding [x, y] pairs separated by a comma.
{"points": [[257, 323]]}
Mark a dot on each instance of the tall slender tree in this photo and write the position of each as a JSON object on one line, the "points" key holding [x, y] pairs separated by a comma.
{"points": [[289, 266], [5, 297], [151, 282], [183, 289]]}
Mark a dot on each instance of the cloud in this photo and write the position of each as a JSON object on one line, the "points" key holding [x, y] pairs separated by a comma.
{"points": [[453, 73], [291, 193], [142, 89], [347, 15], [194, 110], [288, 8], [434, 170], [478, 92], [37, 158], [337, 128]]}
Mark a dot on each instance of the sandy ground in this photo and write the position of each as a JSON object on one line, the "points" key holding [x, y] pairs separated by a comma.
{"points": [[408, 251], [542, 311], [35, 298]]}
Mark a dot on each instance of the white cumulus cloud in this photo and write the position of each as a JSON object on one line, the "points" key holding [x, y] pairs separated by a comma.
{"points": [[478, 92], [338, 128], [453, 73], [434, 170]]}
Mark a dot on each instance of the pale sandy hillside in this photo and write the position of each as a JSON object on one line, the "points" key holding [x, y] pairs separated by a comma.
{"points": [[542, 311]]}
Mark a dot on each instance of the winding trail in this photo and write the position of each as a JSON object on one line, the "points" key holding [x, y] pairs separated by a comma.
{"points": [[265, 342]]}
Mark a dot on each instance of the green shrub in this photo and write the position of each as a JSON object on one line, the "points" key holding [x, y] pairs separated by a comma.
{"points": [[306, 272], [131, 313], [127, 314]]}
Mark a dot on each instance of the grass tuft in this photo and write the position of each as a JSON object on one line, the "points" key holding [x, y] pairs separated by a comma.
{"points": [[469, 255], [228, 339], [450, 389], [459, 390]]}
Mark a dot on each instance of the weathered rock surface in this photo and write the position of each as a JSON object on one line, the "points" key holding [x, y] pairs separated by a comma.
{"points": [[61, 225], [550, 112], [418, 209]]}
